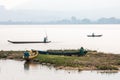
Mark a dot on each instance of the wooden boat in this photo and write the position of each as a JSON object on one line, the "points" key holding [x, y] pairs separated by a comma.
{"points": [[93, 35], [64, 52], [24, 42], [32, 54]]}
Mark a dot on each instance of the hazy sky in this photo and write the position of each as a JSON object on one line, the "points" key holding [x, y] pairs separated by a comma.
{"points": [[60, 5], [92, 9]]}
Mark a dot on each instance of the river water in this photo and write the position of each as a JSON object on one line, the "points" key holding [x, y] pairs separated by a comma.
{"points": [[62, 37], [19, 70]]}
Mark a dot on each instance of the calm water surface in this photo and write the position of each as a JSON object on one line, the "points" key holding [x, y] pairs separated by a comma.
{"points": [[62, 37], [18, 70]]}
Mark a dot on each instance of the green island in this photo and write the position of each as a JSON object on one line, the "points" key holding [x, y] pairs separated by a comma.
{"points": [[93, 60]]}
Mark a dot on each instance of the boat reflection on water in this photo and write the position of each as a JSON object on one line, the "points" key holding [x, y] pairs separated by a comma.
{"points": [[28, 65]]}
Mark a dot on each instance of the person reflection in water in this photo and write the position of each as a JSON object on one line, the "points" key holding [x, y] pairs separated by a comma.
{"points": [[26, 66]]}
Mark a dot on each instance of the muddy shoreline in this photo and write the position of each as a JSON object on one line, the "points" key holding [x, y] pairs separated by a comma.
{"points": [[91, 61]]}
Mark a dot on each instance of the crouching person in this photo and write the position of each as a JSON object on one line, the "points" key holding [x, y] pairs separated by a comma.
{"points": [[26, 54], [82, 51]]}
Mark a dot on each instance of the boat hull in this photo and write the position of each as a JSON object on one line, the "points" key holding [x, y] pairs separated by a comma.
{"points": [[32, 55], [24, 42], [94, 35], [62, 53]]}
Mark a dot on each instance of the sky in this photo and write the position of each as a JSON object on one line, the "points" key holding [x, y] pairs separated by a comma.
{"points": [[60, 5], [10, 4], [80, 8]]}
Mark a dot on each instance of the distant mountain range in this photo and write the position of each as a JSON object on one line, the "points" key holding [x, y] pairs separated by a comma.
{"points": [[73, 20], [53, 17]]}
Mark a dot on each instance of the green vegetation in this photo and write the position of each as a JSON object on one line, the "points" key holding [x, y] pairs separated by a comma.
{"points": [[57, 60], [93, 60], [11, 54], [106, 67]]}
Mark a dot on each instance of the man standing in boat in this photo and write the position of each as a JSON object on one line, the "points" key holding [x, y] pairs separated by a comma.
{"points": [[45, 39]]}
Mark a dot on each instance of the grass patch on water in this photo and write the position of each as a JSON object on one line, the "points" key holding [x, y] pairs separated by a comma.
{"points": [[89, 61], [106, 67], [57, 60], [92, 60]]}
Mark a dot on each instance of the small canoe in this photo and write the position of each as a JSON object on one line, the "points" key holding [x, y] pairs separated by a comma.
{"points": [[30, 54], [24, 42], [94, 35]]}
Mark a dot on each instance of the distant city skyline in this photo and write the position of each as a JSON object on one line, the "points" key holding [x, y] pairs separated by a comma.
{"points": [[47, 10]]}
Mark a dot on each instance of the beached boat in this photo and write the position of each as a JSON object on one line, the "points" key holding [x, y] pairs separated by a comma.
{"points": [[64, 52], [28, 55]]}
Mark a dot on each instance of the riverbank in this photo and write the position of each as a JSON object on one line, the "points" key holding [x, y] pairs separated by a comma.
{"points": [[93, 60]]}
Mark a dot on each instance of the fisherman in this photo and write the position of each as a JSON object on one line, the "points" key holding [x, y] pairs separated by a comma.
{"points": [[82, 51], [93, 35], [45, 39], [26, 54]]}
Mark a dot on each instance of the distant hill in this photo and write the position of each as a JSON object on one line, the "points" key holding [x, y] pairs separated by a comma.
{"points": [[73, 20], [51, 17]]}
